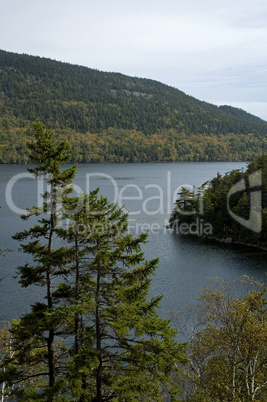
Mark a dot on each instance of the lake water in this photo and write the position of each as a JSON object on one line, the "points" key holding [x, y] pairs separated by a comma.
{"points": [[147, 191]]}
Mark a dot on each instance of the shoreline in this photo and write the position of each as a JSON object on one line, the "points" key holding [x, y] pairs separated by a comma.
{"points": [[222, 240], [230, 241]]}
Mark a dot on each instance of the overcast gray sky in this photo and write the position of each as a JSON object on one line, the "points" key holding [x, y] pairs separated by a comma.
{"points": [[214, 50]]}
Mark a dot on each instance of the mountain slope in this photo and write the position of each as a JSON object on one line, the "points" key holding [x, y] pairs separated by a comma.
{"points": [[70, 97]]}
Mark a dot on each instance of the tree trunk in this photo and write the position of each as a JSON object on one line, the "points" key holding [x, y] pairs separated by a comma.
{"points": [[98, 340], [77, 283], [50, 339]]}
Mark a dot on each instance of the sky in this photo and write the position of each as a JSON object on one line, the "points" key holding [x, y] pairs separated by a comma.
{"points": [[214, 50]]}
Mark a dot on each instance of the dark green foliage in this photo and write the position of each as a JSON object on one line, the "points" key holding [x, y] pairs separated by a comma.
{"points": [[122, 348], [134, 119], [34, 336], [212, 197], [94, 334]]}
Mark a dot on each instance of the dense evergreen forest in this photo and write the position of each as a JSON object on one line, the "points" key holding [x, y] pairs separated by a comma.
{"points": [[233, 206], [110, 117]]}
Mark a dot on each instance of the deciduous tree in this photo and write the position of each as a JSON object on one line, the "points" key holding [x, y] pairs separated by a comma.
{"points": [[228, 346]]}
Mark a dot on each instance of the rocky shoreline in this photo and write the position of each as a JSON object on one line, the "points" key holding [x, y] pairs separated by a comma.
{"points": [[230, 240]]}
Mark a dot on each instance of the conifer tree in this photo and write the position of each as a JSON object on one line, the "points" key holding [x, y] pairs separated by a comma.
{"points": [[37, 331], [123, 349], [95, 335]]}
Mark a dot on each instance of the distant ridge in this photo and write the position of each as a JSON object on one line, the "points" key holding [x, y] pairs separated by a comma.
{"points": [[75, 100]]}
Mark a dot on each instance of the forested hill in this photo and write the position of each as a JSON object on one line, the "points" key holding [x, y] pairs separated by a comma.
{"points": [[113, 117]]}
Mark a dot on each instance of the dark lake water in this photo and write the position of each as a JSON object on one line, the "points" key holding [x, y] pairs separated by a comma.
{"points": [[147, 191]]}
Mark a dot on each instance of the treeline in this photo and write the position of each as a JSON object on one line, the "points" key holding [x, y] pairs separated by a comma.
{"points": [[234, 206], [77, 100], [117, 145]]}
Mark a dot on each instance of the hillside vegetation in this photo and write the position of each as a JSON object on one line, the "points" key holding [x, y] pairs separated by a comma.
{"points": [[110, 117]]}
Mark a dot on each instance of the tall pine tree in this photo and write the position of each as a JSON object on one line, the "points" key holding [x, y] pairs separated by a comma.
{"points": [[38, 330], [123, 349]]}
